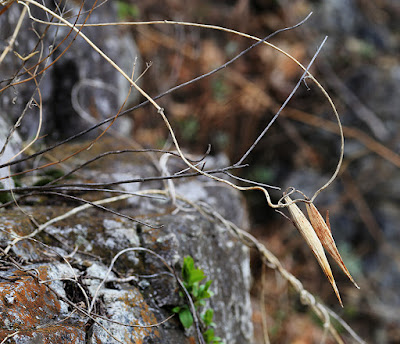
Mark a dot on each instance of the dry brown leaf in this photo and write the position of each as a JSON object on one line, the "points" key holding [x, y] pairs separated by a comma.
{"points": [[323, 231], [308, 233]]}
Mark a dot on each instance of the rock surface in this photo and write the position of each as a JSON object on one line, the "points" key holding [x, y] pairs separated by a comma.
{"points": [[64, 267]]}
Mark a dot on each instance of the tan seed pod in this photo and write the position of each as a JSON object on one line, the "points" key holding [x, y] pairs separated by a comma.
{"points": [[324, 233], [308, 233]]}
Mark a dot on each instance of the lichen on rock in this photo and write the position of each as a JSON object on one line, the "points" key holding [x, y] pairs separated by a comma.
{"points": [[54, 296]]}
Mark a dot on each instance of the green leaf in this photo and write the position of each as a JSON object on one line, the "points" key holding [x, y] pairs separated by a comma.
{"points": [[186, 318], [203, 291], [207, 285], [195, 290], [188, 263], [200, 292], [199, 303], [208, 294], [196, 275], [176, 309], [209, 335], [188, 266], [190, 274], [208, 316]]}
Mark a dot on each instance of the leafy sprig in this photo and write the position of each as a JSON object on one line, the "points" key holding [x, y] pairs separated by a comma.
{"points": [[199, 292]]}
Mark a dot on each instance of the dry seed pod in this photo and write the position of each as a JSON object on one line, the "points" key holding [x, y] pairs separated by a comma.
{"points": [[323, 231], [308, 233]]}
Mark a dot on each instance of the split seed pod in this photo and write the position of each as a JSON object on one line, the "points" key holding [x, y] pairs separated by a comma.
{"points": [[324, 233], [308, 233]]}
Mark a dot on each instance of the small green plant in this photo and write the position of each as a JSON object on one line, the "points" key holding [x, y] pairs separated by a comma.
{"points": [[126, 10], [191, 278]]}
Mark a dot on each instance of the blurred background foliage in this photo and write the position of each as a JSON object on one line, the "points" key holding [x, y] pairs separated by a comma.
{"points": [[360, 68]]}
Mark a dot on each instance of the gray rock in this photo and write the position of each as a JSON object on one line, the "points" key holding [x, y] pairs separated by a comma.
{"points": [[90, 239]]}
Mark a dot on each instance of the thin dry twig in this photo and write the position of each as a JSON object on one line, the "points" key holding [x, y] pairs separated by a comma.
{"points": [[9, 337], [94, 186], [158, 324], [103, 208], [80, 190], [122, 151]]}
